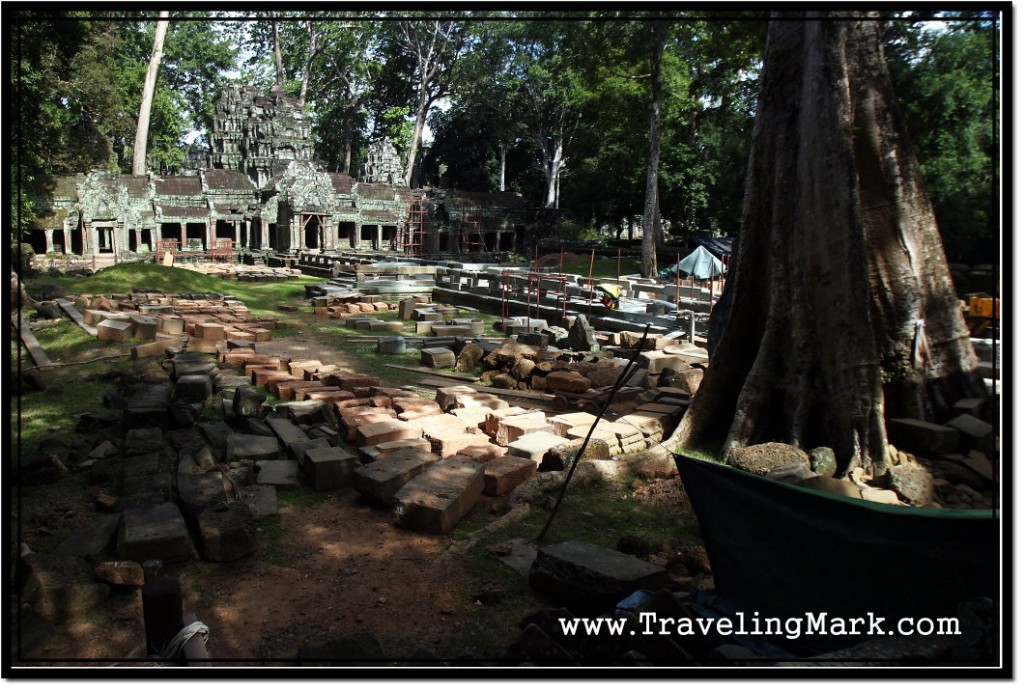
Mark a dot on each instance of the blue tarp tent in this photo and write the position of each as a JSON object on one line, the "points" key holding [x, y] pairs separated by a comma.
{"points": [[700, 264]]}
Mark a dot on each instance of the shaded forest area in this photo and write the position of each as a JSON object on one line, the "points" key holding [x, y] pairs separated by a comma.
{"points": [[556, 107]]}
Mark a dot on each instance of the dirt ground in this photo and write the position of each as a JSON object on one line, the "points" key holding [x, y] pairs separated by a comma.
{"points": [[339, 567]]}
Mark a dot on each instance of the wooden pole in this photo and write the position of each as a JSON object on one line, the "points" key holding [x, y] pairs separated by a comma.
{"points": [[162, 612], [678, 279], [590, 279], [618, 266], [561, 258]]}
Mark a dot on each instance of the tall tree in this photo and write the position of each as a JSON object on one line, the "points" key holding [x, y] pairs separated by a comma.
{"points": [[839, 310], [651, 223], [425, 52], [142, 131], [945, 77], [548, 67]]}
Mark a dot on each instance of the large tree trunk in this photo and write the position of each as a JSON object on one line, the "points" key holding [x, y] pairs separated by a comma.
{"points": [[148, 89], [839, 310], [422, 105], [502, 150], [552, 168], [278, 58], [649, 256]]}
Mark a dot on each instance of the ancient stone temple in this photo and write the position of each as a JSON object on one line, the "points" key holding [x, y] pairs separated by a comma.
{"points": [[258, 135], [259, 190]]}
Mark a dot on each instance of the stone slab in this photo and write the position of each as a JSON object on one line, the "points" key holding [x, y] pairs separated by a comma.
{"points": [[502, 475], [923, 437], [227, 532], [436, 500], [93, 540], [154, 532], [380, 432], [534, 445], [280, 473], [251, 447], [592, 578], [381, 479], [329, 468]]}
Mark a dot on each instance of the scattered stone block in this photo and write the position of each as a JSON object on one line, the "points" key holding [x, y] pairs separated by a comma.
{"points": [[151, 349], [560, 456], [445, 445], [570, 382], [436, 500], [502, 475], [194, 388], [381, 479], [144, 328], [126, 574], [380, 432], [115, 331], [198, 492], [415, 408], [95, 539], [227, 532], [209, 331], [248, 402], [280, 473], [328, 468], [437, 357], [288, 432], [592, 578], [172, 325], [154, 532], [391, 345], [534, 445], [513, 427], [349, 382], [369, 454], [912, 482], [977, 432], [261, 499], [923, 437], [251, 447]]}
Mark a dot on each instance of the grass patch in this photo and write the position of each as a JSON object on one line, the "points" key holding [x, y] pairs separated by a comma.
{"points": [[599, 514], [710, 452], [49, 414], [301, 496], [270, 540], [260, 297]]}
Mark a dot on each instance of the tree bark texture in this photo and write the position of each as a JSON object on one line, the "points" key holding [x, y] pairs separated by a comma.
{"points": [[148, 89], [839, 310], [649, 256], [278, 58]]}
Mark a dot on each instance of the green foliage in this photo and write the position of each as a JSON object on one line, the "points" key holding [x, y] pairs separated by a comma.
{"points": [[944, 79]]}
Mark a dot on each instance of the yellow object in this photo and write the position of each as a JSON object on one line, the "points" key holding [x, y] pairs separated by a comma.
{"points": [[984, 307]]}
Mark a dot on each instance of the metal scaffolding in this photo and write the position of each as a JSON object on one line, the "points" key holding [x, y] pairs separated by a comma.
{"points": [[413, 236]]}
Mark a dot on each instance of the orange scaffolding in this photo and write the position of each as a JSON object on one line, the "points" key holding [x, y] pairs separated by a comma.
{"points": [[413, 235], [535, 292]]}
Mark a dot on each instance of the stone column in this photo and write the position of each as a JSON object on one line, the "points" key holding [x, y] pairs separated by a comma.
{"points": [[380, 238], [184, 242], [138, 239], [67, 241]]}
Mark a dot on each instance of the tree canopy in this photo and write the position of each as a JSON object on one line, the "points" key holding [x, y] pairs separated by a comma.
{"points": [[555, 106]]}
